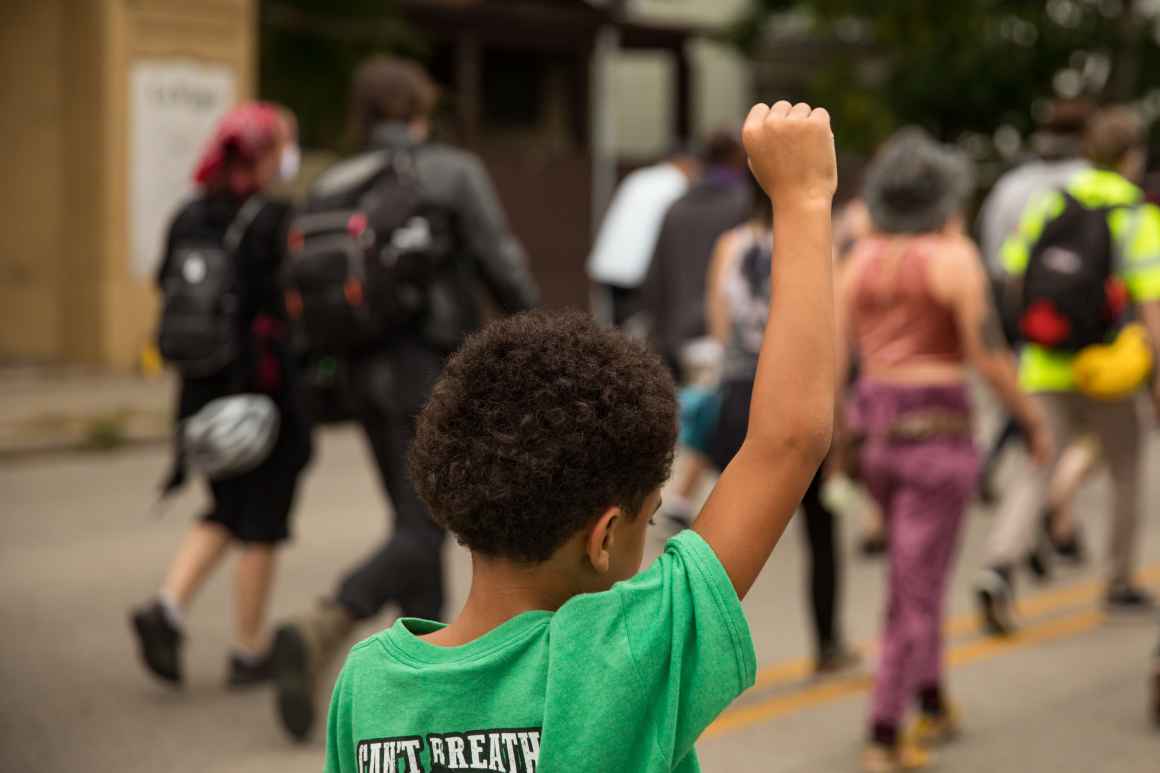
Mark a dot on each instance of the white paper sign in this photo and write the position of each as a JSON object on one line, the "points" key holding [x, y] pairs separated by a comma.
{"points": [[175, 104]]}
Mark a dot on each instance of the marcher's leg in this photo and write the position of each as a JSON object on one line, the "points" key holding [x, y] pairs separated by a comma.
{"points": [[825, 580], [1078, 462], [889, 699], [1118, 427], [252, 662], [407, 570], [1017, 522], [158, 623], [893, 684], [1009, 432], [950, 470], [888, 702], [200, 552], [252, 583], [678, 504], [935, 484]]}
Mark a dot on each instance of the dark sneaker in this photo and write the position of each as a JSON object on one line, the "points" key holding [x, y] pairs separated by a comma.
{"points": [[1068, 548], [1039, 561], [1123, 597], [835, 658], [994, 597], [244, 672], [301, 652], [159, 642], [1071, 549]]}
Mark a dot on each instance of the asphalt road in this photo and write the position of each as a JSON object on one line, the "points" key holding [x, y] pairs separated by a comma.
{"points": [[78, 548]]}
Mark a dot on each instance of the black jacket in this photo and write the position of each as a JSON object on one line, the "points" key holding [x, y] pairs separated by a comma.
{"points": [[490, 255], [265, 362]]}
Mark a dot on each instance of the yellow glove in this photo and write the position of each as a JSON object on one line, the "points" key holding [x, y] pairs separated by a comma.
{"points": [[1115, 370]]}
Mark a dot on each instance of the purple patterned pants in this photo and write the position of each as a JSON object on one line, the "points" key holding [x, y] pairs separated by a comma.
{"points": [[923, 487]]}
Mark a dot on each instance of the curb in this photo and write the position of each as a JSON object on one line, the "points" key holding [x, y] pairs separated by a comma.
{"points": [[49, 434]]}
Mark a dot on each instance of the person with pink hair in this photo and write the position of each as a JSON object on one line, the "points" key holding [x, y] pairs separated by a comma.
{"points": [[230, 215]]}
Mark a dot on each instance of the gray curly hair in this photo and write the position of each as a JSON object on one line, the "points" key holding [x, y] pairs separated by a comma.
{"points": [[915, 184]]}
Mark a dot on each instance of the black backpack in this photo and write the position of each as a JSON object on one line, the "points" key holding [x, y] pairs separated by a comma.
{"points": [[363, 255], [1070, 299], [198, 332]]}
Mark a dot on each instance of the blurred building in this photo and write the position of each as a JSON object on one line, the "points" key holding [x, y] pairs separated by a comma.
{"points": [[106, 103], [103, 107], [647, 88]]}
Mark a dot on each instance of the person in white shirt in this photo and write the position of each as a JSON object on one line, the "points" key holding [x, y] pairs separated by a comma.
{"points": [[624, 246]]}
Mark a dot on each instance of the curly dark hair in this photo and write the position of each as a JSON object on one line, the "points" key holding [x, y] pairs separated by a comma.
{"points": [[539, 423]]}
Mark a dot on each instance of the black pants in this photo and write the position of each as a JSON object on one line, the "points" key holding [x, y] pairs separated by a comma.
{"points": [[390, 389], [820, 524], [822, 541]]}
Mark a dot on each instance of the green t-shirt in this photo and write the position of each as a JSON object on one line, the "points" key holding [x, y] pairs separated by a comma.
{"points": [[624, 680]]}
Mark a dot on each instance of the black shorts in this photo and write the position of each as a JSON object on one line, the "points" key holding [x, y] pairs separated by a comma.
{"points": [[255, 507]]}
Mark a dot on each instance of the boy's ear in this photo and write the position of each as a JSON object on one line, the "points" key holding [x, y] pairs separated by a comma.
{"points": [[600, 539]]}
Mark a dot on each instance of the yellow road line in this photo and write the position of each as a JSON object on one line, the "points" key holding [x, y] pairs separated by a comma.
{"points": [[968, 652], [1058, 628], [1037, 605]]}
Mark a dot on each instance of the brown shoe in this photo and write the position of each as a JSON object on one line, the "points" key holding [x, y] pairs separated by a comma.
{"points": [[930, 730], [303, 650], [879, 758]]}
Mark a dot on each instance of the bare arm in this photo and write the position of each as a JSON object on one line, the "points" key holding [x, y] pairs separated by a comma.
{"points": [[847, 275], [963, 283], [716, 305], [791, 151], [843, 335]]}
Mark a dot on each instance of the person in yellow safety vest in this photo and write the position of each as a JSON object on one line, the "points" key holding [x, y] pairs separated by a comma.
{"points": [[1114, 143]]}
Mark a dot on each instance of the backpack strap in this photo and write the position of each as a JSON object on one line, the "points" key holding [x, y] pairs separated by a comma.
{"points": [[242, 222]]}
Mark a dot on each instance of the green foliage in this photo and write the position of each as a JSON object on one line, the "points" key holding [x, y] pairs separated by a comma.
{"points": [[958, 66], [308, 50]]}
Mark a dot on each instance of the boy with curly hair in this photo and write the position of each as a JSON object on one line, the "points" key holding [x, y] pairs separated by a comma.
{"points": [[543, 449]]}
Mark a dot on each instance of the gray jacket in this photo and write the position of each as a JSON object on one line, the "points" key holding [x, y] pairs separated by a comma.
{"points": [[456, 181]]}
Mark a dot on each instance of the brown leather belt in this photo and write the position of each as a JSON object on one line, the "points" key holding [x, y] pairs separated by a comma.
{"points": [[927, 425]]}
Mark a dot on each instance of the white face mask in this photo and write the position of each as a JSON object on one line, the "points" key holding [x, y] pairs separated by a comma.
{"points": [[290, 162]]}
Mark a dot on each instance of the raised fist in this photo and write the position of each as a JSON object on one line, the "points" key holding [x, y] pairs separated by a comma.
{"points": [[791, 152]]}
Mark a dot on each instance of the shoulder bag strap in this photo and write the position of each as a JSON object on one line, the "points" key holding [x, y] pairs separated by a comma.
{"points": [[242, 222]]}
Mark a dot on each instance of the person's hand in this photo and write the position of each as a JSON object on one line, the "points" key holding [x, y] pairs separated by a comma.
{"points": [[791, 153]]}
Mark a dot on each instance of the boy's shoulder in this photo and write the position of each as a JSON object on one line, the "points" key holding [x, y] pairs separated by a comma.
{"points": [[686, 563], [369, 652]]}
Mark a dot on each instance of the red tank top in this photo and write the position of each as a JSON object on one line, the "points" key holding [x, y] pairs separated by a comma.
{"points": [[896, 319]]}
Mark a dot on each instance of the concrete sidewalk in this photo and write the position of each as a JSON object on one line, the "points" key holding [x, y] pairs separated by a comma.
{"points": [[51, 409]]}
